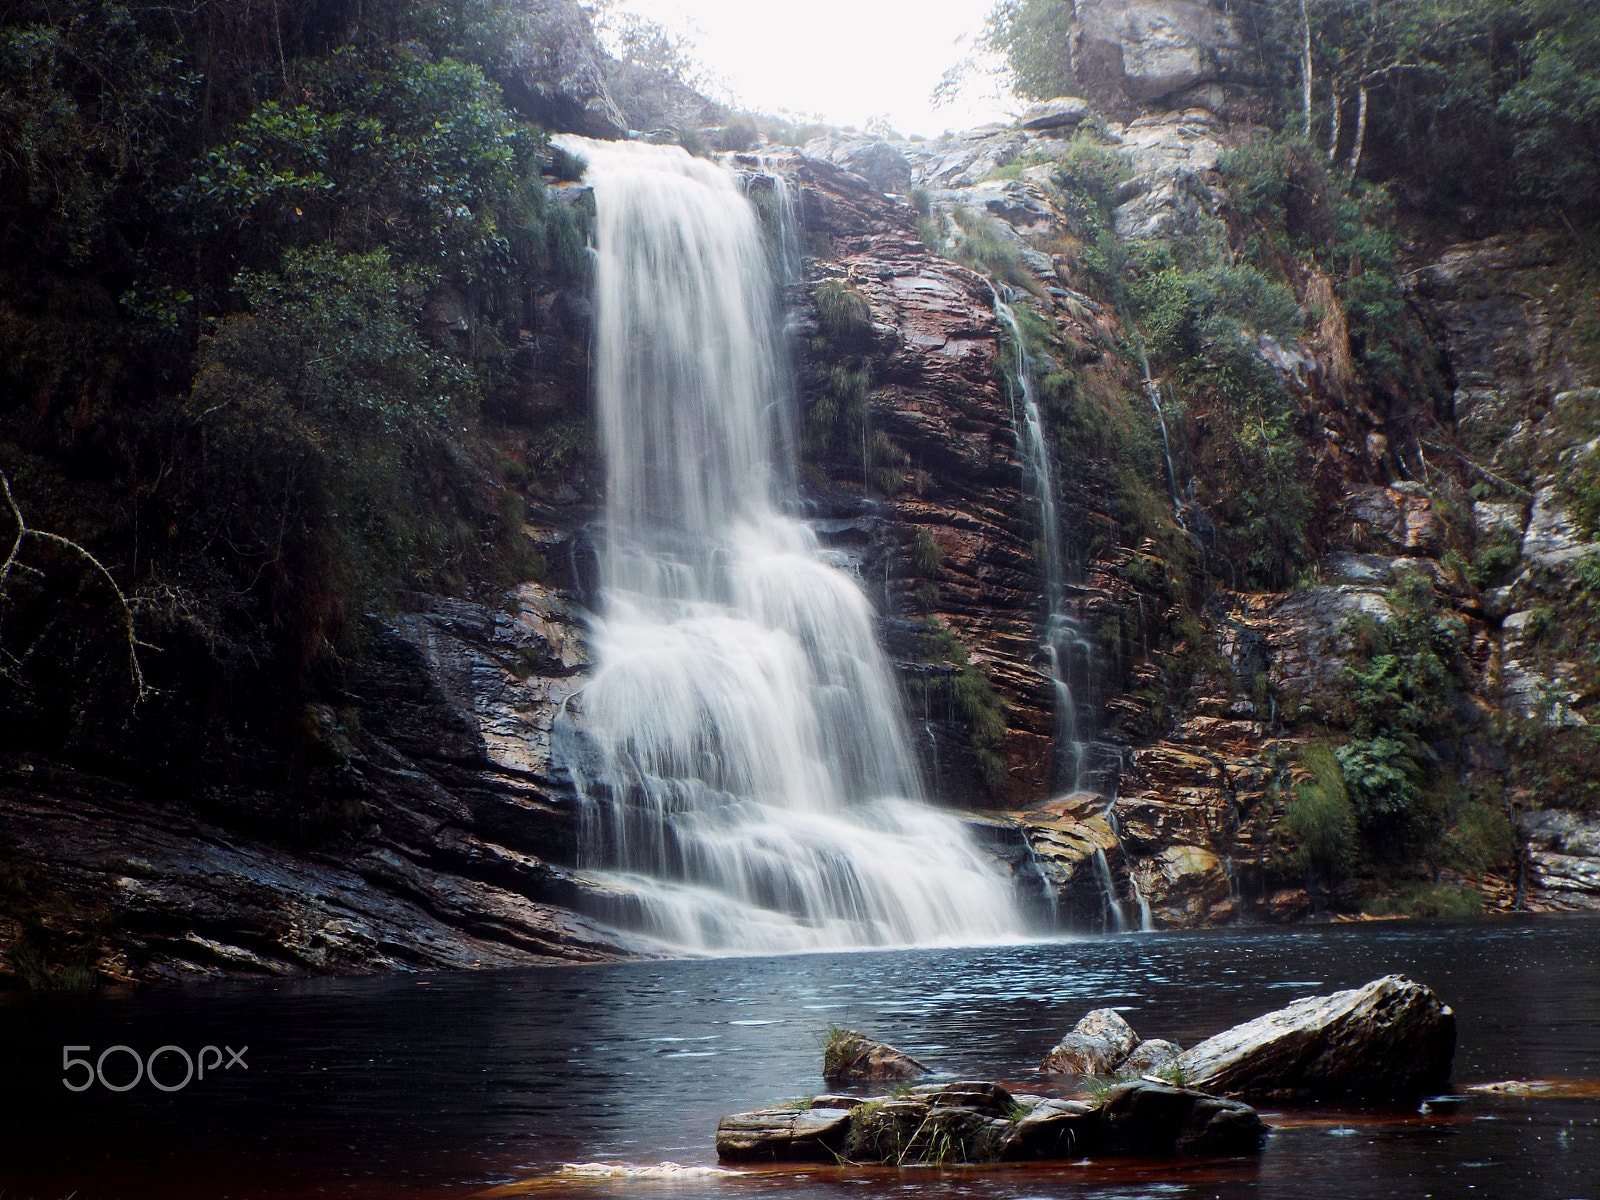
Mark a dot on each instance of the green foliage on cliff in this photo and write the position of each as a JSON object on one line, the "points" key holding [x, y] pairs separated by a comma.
{"points": [[1317, 835], [1477, 102], [977, 705], [265, 276]]}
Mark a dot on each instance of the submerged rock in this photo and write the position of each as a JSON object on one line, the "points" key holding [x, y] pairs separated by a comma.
{"points": [[849, 1056], [1390, 1040], [1097, 1045]]}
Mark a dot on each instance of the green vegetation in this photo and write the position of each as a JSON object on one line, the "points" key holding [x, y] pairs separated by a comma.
{"points": [[267, 274], [837, 1042], [974, 702], [1317, 836], [1429, 900], [1492, 102]]}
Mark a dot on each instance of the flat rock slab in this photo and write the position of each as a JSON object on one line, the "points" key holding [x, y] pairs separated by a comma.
{"points": [[783, 1135], [1390, 1040], [981, 1122]]}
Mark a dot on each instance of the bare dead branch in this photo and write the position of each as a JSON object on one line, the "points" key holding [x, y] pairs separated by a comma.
{"points": [[141, 688]]}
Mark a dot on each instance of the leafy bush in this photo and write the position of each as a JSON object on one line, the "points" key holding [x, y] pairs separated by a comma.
{"points": [[1438, 900], [977, 704], [925, 552], [1384, 777]]}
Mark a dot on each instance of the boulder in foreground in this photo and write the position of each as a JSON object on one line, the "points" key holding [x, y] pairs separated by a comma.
{"points": [[1097, 1045], [1145, 1119], [848, 1057], [1390, 1040]]}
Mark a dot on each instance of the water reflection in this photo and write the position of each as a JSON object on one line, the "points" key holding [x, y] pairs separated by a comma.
{"points": [[455, 1084]]}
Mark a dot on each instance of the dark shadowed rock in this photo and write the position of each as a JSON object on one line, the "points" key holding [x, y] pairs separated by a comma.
{"points": [[1145, 1118], [1151, 1058], [1063, 112], [1050, 1129], [783, 1135], [850, 1057], [1097, 1045], [1390, 1040]]}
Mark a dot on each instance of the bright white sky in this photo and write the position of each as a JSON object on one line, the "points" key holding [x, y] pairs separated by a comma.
{"points": [[847, 61]]}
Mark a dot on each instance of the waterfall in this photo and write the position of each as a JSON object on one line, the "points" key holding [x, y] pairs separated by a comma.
{"points": [[1062, 638], [746, 768]]}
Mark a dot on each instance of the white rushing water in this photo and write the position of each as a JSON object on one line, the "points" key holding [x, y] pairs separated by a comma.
{"points": [[750, 784], [1063, 642]]}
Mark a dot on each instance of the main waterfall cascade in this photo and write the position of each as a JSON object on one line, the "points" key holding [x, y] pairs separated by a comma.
{"points": [[745, 764]]}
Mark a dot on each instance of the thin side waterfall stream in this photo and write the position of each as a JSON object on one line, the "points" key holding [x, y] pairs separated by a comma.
{"points": [[1063, 640], [741, 748]]}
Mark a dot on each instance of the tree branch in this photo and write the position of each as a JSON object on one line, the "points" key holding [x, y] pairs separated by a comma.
{"points": [[141, 688]]}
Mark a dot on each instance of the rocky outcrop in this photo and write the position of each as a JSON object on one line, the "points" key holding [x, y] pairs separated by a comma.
{"points": [[1390, 1040], [456, 821], [851, 1058], [1097, 1045], [976, 1122], [814, 1134], [1563, 857], [1127, 53], [556, 75]]}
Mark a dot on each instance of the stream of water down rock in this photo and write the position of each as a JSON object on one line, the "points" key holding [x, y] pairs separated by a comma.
{"points": [[741, 747]]}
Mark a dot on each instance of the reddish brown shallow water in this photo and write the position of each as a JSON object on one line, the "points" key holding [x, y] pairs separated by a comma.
{"points": [[486, 1084]]}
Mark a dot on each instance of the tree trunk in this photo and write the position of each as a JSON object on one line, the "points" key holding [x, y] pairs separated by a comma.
{"points": [[1338, 125], [1305, 64], [1361, 139]]}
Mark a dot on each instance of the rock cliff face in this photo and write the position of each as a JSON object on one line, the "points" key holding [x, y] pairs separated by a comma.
{"points": [[459, 829], [1131, 53], [1190, 837]]}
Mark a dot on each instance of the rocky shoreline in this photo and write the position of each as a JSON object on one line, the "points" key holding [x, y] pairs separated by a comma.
{"points": [[1389, 1042]]}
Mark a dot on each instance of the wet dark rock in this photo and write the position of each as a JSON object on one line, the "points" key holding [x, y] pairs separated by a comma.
{"points": [[1153, 1120], [988, 1098], [1097, 1045], [932, 1125], [1051, 1129], [783, 1135], [851, 1057], [1390, 1040]]}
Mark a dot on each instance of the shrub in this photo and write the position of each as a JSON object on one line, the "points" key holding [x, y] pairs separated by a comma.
{"points": [[925, 552], [1384, 778], [843, 314], [1429, 900], [1318, 830]]}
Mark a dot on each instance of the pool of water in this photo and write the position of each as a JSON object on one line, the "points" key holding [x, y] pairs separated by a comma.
{"points": [[488, 1083]]}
